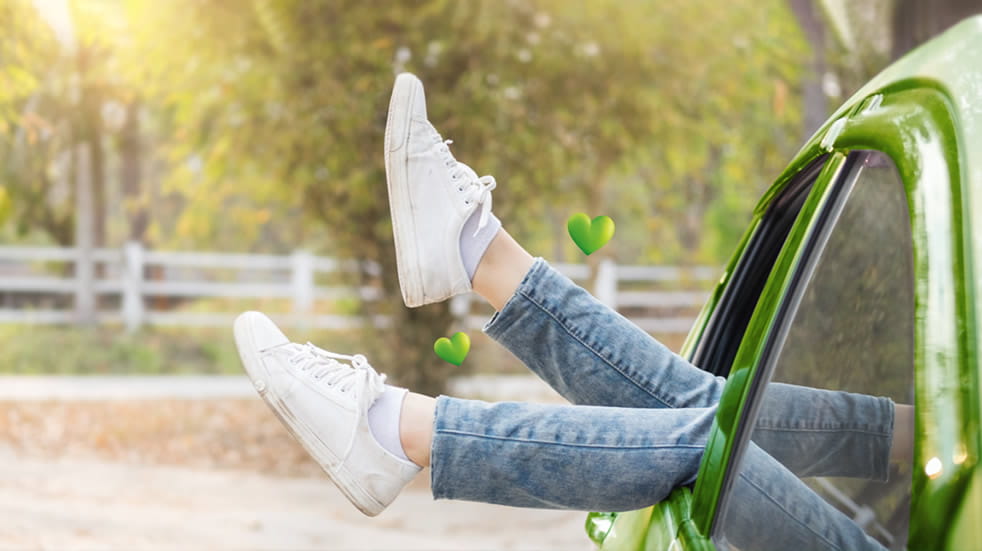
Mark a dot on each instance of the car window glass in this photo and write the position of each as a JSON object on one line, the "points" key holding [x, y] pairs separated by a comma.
{"points": [[839, 373]]}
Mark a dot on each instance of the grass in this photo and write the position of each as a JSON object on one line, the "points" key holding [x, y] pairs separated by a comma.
{"points": [[52, 350], [110, 350], [68, 350]]}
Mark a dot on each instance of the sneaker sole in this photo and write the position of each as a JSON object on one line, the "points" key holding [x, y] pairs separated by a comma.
{"points": [[400, 199], [306, 437]]}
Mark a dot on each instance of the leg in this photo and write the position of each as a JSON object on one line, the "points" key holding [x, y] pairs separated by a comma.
{"points": [[564, 457], [816, 432], [616, 459], [501, 270], [589, 353], [594, 356], [771, 508]]}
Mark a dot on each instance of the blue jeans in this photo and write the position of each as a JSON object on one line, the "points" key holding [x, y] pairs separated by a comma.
{"points": [[640, 423]]}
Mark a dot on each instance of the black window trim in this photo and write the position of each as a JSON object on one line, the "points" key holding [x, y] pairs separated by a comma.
{"points": [[718, 345]]}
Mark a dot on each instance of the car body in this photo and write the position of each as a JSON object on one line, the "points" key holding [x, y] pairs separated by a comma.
{"points": [[861, 271]]}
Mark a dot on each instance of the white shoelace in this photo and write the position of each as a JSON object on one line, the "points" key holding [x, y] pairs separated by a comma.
{"points": [[325, 367], [476, 190]]}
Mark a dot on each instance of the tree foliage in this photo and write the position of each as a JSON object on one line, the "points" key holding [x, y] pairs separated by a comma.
{"points": [[27, 146], [266, 118]]}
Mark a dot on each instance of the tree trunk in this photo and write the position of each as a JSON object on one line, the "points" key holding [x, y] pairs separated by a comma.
{"points": [[404, 349], [130, 174], [815, 102], [917, 21]]}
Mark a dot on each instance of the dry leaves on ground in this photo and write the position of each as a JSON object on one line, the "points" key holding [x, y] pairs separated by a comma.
{"points": [[226, 434]]}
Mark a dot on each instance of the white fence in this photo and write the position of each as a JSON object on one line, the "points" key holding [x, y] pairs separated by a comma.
{"points": [[660, 299]]}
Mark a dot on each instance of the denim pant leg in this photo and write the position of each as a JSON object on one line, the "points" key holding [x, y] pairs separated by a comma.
{"points": [[615, 459], [816, 432], [771, 509], [548, 456], [591, 354]]}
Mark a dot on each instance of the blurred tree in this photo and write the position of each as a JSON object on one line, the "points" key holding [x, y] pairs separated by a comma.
{"points": [[670, 117], [74, 86], [29, 142], [627, 108]]}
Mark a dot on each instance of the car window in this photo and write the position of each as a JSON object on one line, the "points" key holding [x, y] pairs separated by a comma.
{"points": [[725, 329], [838, 369]]}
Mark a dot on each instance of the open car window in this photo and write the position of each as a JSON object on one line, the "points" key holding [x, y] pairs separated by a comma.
{"points": [[726, 326], [836, 372]]}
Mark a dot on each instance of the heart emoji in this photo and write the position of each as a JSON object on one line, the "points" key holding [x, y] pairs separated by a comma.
{"points": [[590, 235], [454, 349]]}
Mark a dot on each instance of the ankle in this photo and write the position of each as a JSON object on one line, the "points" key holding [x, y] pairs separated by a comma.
{"points": [[416, 427], [474, 240], [501, 270]]}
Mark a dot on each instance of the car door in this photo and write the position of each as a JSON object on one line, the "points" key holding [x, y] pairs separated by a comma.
{"points": [[908, 323], [839, 329], [856, 276]]}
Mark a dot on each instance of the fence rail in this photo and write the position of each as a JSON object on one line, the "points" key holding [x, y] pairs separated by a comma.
{"points": [[57, 285]]}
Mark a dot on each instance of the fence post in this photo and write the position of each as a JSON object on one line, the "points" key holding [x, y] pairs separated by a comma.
{"points": [[133, 307], [302, 282], [605, 287], [85, 303]]}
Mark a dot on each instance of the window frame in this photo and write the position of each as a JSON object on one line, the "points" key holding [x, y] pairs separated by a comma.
{"points": [[810, 255], [913, 126], [716, 458]]}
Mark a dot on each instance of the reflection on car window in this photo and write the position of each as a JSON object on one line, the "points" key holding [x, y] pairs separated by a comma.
{"points": [[844, 370]]}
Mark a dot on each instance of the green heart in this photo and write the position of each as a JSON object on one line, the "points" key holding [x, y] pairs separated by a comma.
{"points": [[454, 349], [589, 235]]}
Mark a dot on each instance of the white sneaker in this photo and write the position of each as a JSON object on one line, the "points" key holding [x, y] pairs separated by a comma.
{"points": [[431, 195], [324, 404]]}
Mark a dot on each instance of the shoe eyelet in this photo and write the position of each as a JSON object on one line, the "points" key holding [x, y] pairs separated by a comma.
{"points": [[467, 203], [460, 188]]}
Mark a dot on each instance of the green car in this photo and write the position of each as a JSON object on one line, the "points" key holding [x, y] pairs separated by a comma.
{"points": [[861, 271]]}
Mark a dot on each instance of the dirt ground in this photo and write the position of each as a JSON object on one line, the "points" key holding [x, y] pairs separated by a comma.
{"points": [[215, 474]]}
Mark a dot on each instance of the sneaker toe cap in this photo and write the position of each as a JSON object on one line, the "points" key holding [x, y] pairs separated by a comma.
{"points": [[412, 89], [259, 332]]}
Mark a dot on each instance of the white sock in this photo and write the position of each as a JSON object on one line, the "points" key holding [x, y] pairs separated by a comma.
{"points": [[472, 247], [383, 420]]}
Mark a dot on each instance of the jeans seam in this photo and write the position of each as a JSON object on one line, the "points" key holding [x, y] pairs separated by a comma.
{"points": [[589, 347], [455, 432], [781, 507], [811, 429]]}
